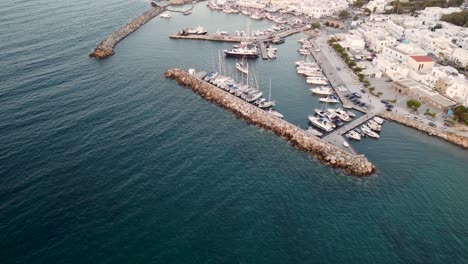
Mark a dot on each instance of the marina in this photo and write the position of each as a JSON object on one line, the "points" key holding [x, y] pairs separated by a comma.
{"points": [[330, 154]]}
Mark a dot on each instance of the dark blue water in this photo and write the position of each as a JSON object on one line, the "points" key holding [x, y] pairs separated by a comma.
{"points": [[108, 162]]}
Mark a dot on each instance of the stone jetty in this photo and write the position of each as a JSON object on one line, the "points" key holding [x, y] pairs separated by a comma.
{"points": [[409, 122], [327, 153], [106, 47]]}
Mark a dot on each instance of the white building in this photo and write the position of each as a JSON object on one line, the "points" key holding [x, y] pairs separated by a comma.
{"points": [[402, 51], [377, 5], [431, 15]]}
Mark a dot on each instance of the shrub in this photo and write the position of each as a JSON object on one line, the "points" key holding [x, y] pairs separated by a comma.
{"points": [[413, 104], [371, 89]]}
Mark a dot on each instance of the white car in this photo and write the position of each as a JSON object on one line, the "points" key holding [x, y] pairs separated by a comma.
{"points": [[317, 50]]}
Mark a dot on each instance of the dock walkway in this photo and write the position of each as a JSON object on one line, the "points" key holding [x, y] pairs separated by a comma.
{"points": [[344, 129], [263, 50]]}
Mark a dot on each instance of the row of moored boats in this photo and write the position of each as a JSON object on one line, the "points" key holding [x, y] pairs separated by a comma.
{"points": [[371, 129], [249, 92]]}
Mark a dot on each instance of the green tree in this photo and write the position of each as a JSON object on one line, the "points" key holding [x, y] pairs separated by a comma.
{"points": [[327, 23], [460, 113], [413, 104], [356, 17], [457, 18], [315, 25], [343, 14], [367, 11], [373, 10]]}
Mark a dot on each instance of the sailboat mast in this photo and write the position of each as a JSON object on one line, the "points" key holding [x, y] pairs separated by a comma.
{"points": [[219, 61], [269, 92]]}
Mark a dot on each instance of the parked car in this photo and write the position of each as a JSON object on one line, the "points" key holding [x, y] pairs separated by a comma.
{"points": [[357, 95], [388, 109], [317, 50], [390, 106], [432, 124], [384, 101], [347, 95], [388, 80], [363, 90]]}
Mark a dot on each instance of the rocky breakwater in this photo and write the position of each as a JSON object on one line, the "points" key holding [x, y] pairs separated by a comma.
{"points": [[449, 136], [106, 47], [327, 153]]}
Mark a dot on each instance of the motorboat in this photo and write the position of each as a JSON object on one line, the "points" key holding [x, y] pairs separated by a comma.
{"points": [[166, 15], [329, 99], [351, 114], [322, 90], [379, 120], [272, 52], [374, 126], [304, 51], [321, 123], [346, 144], [278, 40], [353, 135], [317, 80], [369, 132], [342, 114]]}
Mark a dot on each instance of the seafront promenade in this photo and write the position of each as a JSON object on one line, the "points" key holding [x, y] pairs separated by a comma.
{"points": [[106, 47], [327, 153]]}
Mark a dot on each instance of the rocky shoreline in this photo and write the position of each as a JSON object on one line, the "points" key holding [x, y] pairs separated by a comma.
{"points": [[106, 47], [356, 165], [448, 136]]}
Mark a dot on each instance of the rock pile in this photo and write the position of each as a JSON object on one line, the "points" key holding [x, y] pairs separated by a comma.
{"points": [[106, 47], [409, 122], [327, 153]]}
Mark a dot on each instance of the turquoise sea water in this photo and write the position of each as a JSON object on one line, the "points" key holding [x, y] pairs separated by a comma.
{"points": [[108, 162]]}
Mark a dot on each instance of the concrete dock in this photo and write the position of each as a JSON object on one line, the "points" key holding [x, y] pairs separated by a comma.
{"points": [[263, 51], [327, 153]]}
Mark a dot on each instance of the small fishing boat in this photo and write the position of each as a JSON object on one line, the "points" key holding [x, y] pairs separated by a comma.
{"points": [[353, 135]]}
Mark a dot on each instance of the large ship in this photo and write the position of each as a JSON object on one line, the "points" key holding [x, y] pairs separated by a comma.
{"points": [[249, 52], [190, 31]]}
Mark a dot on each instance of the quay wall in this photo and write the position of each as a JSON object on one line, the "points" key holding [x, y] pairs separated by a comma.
{"points": [[448, 136], [327, 153], [106, 47]]}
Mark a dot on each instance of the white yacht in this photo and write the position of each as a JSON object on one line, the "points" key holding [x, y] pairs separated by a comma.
{"points": [[379, 120], [369, 132], [351, 114], [304, 51], [374, 126], [321, 123], [329, 99], [317, 80], [342, 114], [272, 53], [166, 15], [353, 135], [322, 90]]}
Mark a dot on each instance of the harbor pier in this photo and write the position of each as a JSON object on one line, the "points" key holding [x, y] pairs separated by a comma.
{"points": [[106, 47], [327, 153]]}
